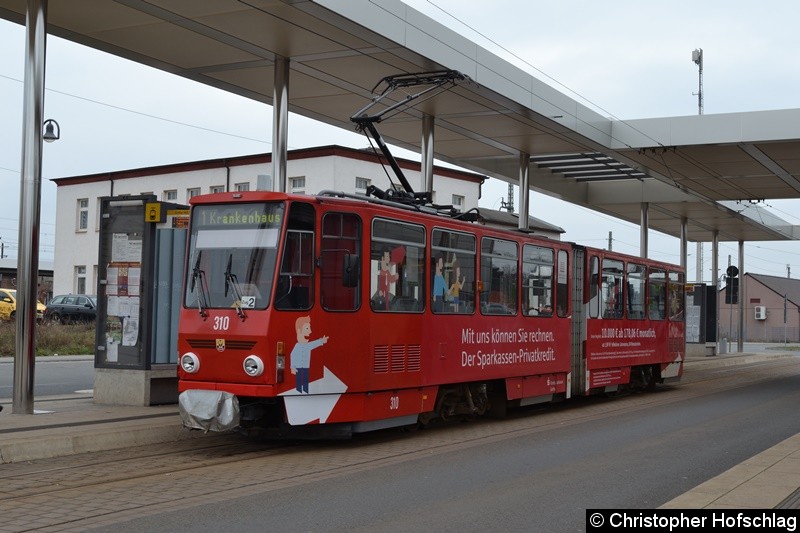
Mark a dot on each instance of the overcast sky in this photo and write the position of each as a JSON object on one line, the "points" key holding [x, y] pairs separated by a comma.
{"points": [[624, 59]]}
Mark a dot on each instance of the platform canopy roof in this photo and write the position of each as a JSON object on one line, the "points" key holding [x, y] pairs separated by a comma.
{"points": [[709, 169]]}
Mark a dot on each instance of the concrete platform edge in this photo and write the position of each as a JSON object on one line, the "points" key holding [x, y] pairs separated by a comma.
{"points": [[48, 443]]}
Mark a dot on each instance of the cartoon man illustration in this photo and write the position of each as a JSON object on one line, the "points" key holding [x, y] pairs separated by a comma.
{"points": [[301, 353], [439, 286]]}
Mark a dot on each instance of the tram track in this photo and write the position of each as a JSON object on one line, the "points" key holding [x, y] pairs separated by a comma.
{"points": [[18, 480], [199, 471]]}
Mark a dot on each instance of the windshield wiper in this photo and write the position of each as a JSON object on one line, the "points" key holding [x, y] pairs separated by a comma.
{"points": [[202, 293], [232, 282]]}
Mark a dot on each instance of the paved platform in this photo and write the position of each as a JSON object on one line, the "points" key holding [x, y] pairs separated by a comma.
{"points": [[72, 424]]}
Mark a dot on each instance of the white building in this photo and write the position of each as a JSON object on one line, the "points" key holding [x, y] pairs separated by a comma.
{"points": [[309, 171]]}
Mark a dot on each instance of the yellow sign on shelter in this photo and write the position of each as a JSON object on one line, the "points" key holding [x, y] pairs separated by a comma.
{"points": [[152, 212]]}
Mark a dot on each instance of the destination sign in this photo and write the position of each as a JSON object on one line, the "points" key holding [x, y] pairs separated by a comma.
{"points": [[260, 215]]}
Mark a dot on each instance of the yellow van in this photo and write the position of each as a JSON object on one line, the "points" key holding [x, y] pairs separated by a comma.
{"points": [[8, 305]]}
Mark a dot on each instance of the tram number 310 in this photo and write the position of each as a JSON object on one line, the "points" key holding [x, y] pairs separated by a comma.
{"points": [[394, 403]]}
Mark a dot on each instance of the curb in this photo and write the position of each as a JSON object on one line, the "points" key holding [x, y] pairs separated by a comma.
{"points": [[104, 436], [737, 359]]}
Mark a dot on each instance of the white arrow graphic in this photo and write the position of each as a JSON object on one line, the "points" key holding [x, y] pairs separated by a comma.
{"points": [[318, 403]]}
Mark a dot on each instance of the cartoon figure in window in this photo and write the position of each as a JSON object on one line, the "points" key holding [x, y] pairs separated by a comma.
{"points": [[385, 275], [439, 286], [458, 284], [301, 353]]}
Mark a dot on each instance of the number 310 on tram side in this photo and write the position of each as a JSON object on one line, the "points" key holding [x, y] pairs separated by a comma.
{"points": [[335, 314]]}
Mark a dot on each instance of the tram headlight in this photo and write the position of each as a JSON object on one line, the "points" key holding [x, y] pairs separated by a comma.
{"points": [[190, 363], [253, 366]]}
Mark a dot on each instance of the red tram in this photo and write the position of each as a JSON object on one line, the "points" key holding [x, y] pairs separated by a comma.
{"points": [[350, 314]]}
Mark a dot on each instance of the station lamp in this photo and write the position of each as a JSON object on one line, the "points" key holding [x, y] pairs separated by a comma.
{"points": [[52, 131]]}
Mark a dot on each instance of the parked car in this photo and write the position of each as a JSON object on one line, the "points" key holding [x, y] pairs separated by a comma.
{"points": [[71, 308], [8, 305]]}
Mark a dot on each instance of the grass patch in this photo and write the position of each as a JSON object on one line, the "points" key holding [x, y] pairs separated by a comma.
{"points": [[785, 348], [62, 339]]}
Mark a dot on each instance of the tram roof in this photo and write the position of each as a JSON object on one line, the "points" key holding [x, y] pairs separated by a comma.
{"points": [[703, 168]]}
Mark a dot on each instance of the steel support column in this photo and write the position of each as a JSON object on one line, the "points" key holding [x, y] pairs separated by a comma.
{"points": [[715, 275], [715, 258], [644, 224], [684, 238], [524, 189], [426, 147], [742, 294], [698, 275], [280, 123], [29, 206]]}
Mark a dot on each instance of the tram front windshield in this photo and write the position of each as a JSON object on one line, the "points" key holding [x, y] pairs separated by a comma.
{"points": [[233, 252]]}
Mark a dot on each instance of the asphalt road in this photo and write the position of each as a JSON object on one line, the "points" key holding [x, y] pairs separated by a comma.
{"points": [[51, 376]]}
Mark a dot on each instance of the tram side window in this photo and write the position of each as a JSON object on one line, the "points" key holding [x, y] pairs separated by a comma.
{"points": [[594, 284], [611, 290], [498, 277], [657, 295], [676, 296], [537, 280], [295, 281], [452, 272], [397, 266], [340, 276], [635, 288]]}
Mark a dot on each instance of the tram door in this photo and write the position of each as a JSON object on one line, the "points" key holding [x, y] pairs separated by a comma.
{"points": [[578, 325]]}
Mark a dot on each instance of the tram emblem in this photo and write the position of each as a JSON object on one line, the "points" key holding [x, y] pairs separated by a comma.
{"points": [[220, 345]]}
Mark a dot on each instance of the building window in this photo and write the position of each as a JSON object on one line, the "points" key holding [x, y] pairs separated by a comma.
{"points": [[216, 188], [297, 185], [191, 193], [362, 184], [83, 214], [170, 196], [241, 187], [80, 279], [458, 202]]}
